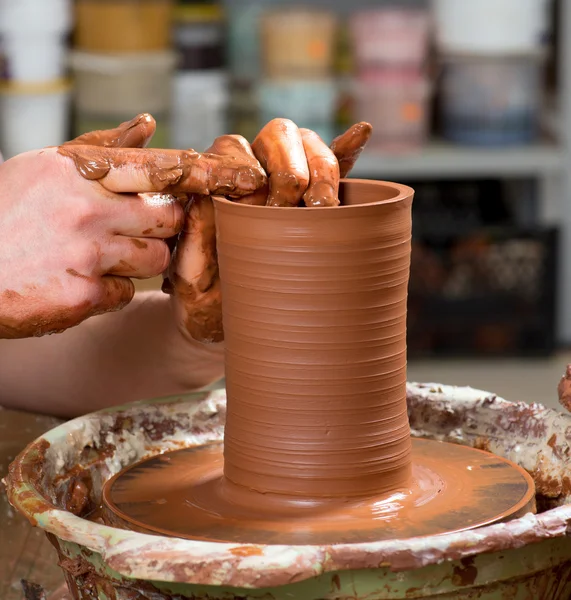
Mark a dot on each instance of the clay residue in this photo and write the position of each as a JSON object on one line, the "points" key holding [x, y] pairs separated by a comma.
{"points": [[193, 277], [564, 389], [165, 171]]}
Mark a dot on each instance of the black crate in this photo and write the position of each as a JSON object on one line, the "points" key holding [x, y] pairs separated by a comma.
{"points": [[490, 292]]}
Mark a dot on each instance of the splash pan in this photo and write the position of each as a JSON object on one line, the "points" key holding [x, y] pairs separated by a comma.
{"points": [[58, 481]]}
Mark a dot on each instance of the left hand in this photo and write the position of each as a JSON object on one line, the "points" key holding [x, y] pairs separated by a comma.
{"points": [[300, 168]]}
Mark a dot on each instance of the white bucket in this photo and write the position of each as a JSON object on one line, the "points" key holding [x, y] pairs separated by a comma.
{"points": [[123, 84], [200, 105], [491, 26], [37, 57], [33, 116], [32, 16]]}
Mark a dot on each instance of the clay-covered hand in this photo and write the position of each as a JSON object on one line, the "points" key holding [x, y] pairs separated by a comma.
{"points": [[193, 277], [74, 229], [300, 167], [564, 389]]}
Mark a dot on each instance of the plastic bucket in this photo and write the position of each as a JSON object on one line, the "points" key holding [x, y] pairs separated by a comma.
{"points": [[298, 43], [121, 85], [491, 101], [396, 103], [310, 104], [33, 116], [34, 16], [39, 57], [200, 103], [123, 25], [390, 36], [491, 26]]}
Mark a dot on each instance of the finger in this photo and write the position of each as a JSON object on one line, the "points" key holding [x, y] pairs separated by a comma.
{"points": [[236, 145], [140, 170], [279, 148], [136, 133], [193, 274], [145, 215], [349, 146], [323, 187], [114, 294], [135, 257]]}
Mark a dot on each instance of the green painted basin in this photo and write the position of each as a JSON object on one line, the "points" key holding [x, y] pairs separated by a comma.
{"points": [[525, 559]]}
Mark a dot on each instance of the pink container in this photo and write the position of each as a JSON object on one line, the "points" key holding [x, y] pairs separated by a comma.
{"points": [[390, 37], [397, 104]]}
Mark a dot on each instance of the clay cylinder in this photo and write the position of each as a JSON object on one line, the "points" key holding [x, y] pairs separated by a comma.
{"points": [[314, 310]]}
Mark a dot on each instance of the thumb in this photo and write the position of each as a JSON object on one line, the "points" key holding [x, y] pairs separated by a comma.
{"points": [[136, 133]]}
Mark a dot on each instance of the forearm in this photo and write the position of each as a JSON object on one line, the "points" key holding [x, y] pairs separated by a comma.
{"points": [[107, 360]]}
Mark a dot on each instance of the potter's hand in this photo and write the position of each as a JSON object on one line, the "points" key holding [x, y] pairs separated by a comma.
{"points": [[71, 243], [299, 165], [193, 273]]}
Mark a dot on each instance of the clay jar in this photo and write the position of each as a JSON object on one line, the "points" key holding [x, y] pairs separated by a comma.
{"points": [[314, 309]]}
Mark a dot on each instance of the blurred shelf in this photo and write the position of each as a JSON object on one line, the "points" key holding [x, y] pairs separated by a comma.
{"points": [[443, 160]]}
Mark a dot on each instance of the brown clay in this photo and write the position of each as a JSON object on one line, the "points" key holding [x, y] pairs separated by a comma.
{"points": [[314, 311], [349, 146], [564, 389]]}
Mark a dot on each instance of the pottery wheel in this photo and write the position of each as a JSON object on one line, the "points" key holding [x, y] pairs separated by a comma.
{"points": [[184, 494]]}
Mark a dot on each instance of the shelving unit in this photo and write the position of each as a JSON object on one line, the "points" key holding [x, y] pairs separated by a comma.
{"points": [[443, 160]]}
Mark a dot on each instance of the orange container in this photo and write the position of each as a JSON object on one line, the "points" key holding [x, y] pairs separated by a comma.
{"points": [[123, 25], [298, 43]]}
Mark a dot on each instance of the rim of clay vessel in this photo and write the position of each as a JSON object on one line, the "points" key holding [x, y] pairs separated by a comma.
{"points": [[398, 193], [515, 430]]}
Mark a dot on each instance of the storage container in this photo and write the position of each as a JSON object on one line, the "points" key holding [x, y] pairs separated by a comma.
{"points": [[123, 25], [390, 36], [33, 116], [198, 36], [34, 16], [491, 26], [298, 43], [200, 104], [310, 104], [491, 101], [396, 103], [34, 39], [119, 85], [243, 54]]}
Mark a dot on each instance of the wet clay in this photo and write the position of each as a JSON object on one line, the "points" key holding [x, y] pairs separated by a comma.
{"points": [[184, 494], [314, 312], [564, 389], [197, 286], [168, 171]]}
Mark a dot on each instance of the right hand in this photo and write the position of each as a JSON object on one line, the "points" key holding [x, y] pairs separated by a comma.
{"points": [[74, 229]]}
